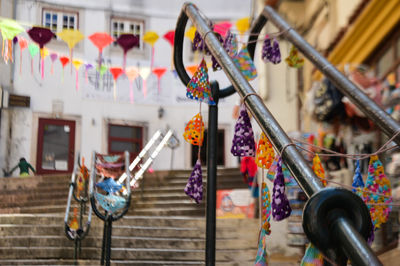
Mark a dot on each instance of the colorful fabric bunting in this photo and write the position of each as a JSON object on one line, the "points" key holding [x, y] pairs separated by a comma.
{"points": [[199, 87], [71, 37], [230, 44], [272, 170], [194, 131], [109, 185], [294, 60], [245, 64], [194, 186], [265, 152], [312, 257], [271, 53], [266, 209], [243, 143], [357, 179], [280, 204], [262, 256], [111, 203], [318, 169]]}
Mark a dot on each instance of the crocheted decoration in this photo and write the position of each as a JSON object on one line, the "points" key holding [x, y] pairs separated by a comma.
{"points": [[265, 152], [294, 60], [266, 209], [262, 256], [230, 44], [270, 52], [194, 131], [109, 185], [245, 64], [243, 143], [312, 257], [318, 169], [357, 179], [248, 166], [194, 186], [280, 204], [377, 182], [272, 170], [110, 203], [289, 180], [215, 64], [199, 87]]}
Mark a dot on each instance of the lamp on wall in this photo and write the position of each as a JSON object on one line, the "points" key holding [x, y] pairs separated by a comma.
{"points": [[161, 112]]}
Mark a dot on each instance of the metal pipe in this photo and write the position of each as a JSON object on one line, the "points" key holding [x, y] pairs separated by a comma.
{"points": [[212, 144], [348, 88]]}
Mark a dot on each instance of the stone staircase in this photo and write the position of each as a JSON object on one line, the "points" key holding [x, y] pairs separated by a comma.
{"points": [[163, 226]]}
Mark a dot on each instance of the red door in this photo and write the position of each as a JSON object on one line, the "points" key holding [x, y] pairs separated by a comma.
{"points": [[56, 142]]}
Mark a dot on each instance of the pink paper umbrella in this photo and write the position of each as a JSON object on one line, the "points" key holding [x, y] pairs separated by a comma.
{"points": [[64, 61], [222, 28], [132, 73], [116, 73], [169, 37], [53, 57], [23, 44], [159, 72], [41, 36], [101, 40], [127, 42]]}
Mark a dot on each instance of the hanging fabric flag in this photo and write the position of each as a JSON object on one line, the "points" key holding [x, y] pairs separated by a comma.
{"points": [[272, 170], [280, 204], [151, 38], [159, 72], [230, 44], [116, 73], [378, 183], [127, 41], [245, 64], [312, 257], [101, 40], [77, 64], [358, 182], [144, 72], [222, 28], [266, 209], [194, 131], [64, 61], [265, 152], [23, 44], [199, 87], [169, 37], [294, 60], [132, 73], [33, 50], [109, 185], [319, 170], [9, 29], [71, 37], [53, 57], [87, 67], [262, 256], [271, 53], [243, 143], [194, 186], [110, 203], [41, 36]]}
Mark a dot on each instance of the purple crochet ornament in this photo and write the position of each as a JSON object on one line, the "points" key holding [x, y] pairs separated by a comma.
{"points": [[230, 44], [271, 53], [280, 204], [243, 143], [194, 186]]}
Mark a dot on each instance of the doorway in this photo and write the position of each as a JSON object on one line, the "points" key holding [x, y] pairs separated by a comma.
{"points": [[203, 151], [56, 142]]}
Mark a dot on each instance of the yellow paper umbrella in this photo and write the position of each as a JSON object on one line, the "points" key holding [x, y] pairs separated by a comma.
{"points": [[151, 38], [243, 25], [190, 33], [144, 72], [9, 29], [71, 37], [77, 64]]}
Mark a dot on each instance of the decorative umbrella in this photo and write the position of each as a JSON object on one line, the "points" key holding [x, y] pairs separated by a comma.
{"points": [[41, 36], [87, 67], [190, 33], [9, 29], [132, 73], [192, 69], [159, 72], [53, 57], [243, 25], [169, 37], [101, 40], [222, 28], [64, 61], [23, 44], [71, 37], [116, 73], [151, 37], [144, 72], [77, 64], [33, 50], [127, 42]]}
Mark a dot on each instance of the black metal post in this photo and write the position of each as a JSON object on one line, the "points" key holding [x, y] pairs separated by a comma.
{"points": [[103, 245], [212, 144], [108, 244]]}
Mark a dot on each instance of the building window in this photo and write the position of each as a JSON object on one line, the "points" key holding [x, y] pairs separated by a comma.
{"points": [[121, 26], [125, 138], [59, 20]]}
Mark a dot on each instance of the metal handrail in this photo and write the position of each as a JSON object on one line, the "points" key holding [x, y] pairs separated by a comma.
{"points": [[356, 249]]}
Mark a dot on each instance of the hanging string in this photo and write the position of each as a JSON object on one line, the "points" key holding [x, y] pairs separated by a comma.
{"points": [[200, 141]]}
